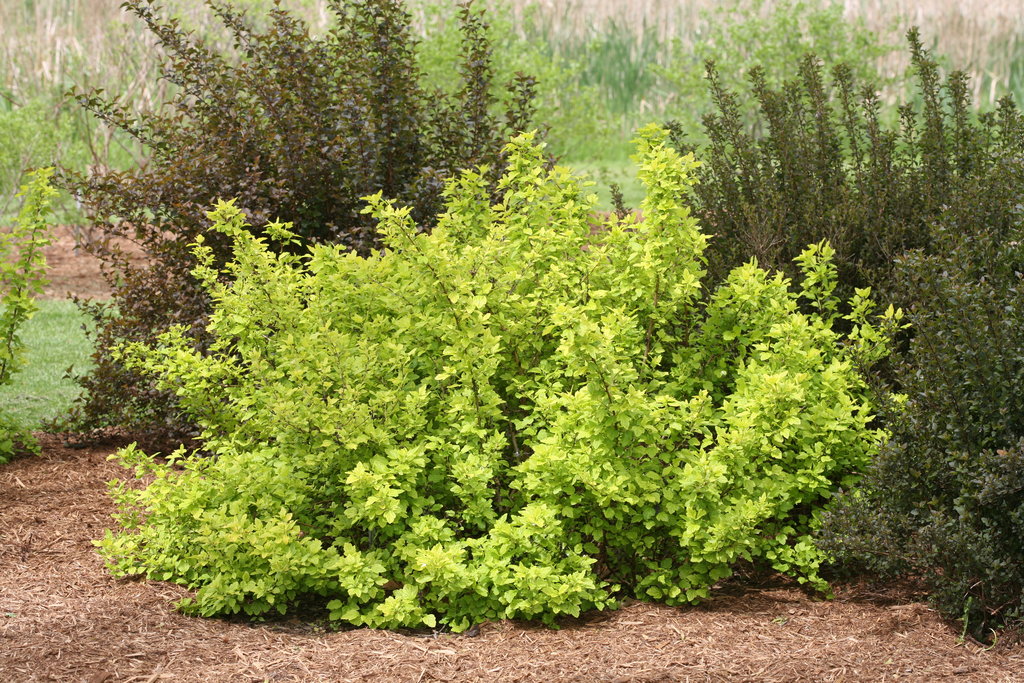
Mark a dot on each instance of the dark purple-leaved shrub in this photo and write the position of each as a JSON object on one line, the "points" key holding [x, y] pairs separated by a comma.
{"points": [[295, 127]]}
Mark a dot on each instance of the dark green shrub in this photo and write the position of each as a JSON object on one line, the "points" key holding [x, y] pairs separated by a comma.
{"points": [[297, 128], [22, 276], [512, 416], [927, 212], [945, 498], [822, 163]]}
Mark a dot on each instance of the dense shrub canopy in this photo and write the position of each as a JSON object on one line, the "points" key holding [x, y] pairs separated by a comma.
{"points": [[945, 498], [295, 127], [927, 210], [824, 162], [513, 416]]}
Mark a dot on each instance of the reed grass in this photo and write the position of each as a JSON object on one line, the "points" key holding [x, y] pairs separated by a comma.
{"points": [[48, 45], [983, 37], [612, 48]]}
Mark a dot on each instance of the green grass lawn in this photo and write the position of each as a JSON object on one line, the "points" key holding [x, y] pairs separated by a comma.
{"points": [[54, 341]]}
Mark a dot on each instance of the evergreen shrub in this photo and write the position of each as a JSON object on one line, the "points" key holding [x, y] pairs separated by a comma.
{"points": [[927, 211], [945, 498], [297, 128], [823, 161], [22, 275], [514, 416]]}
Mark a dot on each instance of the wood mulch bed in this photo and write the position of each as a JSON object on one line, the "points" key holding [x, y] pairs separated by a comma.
{"points": [[63, 618], [70, 270]]}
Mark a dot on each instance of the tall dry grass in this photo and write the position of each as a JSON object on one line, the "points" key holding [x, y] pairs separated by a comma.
{"points": [[47, 45], [983, 37], [969, 21]]}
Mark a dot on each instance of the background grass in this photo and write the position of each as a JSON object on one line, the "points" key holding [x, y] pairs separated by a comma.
{"points": [[606, 67], [56, 341]]}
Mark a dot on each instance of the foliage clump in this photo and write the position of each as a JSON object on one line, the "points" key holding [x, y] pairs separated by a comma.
{"points": [[297, 128], [513, 416], [823, 161], [22, 276], [945, 498], [927, 210]]}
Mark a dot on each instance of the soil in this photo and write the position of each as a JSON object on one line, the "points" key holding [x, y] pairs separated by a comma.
{"points": [[73, 271], [64, 618]]}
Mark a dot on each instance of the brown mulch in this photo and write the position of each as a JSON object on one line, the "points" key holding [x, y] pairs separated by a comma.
{"points": [[63, 618], [71, 270]]}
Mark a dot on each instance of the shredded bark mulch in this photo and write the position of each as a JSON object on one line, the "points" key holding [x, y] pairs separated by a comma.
{"points": [[71, 270], [63, 618]]}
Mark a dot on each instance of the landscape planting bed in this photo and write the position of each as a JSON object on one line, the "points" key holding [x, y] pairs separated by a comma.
{"points": [[63, 618], [510, 405]]}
